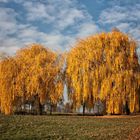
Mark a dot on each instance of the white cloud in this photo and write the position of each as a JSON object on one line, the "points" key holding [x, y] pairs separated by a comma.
{"points": [[38, 11], [14, 35], [68, 17], [123, 26], [135, 32], [65, 21], [61, 15], [120, 14], [59, 42], [87, 29], [126, 18], [10, 50], [124, 2], [9, 45], [3, 0], [8, 21], [112, 15]]}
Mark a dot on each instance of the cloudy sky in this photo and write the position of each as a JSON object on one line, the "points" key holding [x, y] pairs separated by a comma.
{"points": [[57, 24]]}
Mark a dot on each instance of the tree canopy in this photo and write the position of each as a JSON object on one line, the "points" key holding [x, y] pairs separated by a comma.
{"points": [[33, 71], [104, 66]]}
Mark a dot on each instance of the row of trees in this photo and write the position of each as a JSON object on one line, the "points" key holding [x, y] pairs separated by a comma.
{"points": [[101, 67]]}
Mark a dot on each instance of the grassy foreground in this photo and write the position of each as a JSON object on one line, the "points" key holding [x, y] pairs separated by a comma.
{"points": [[66, 127]]}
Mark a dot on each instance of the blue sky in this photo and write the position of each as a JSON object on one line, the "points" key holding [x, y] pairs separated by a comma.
{"points": [[57, 24]]}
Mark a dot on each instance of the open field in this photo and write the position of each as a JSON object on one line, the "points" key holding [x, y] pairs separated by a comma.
{"points": [[67, 127]]}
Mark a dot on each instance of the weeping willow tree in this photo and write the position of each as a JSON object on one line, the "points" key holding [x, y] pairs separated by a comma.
{"points": [[104, 67], [37, 73], [41, 75], [8, 74]]}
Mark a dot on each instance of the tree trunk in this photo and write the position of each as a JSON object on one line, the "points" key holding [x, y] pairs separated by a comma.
{"points": [[127, 108], [39, 106], [84, 106], [139, 104], [51, 109]]}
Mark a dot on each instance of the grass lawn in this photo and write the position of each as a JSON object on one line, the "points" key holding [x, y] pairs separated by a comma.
{"points": [[66, 127]]}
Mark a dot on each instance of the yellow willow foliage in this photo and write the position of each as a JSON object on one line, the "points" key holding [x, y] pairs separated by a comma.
{"points": [[104, 66], [41, 73], [33, 71], [8, 74]]}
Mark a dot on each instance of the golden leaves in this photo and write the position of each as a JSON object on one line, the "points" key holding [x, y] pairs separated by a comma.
{"points": [[8, 74], [34, 70], [103, 66]]}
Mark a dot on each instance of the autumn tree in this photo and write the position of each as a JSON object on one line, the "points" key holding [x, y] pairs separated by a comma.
{"points": [[41, 74], [104, 66], [3, 55], [8, 74], [34, 73]]}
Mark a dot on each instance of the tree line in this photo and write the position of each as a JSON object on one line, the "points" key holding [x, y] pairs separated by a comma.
{"points": [[101, 67]]}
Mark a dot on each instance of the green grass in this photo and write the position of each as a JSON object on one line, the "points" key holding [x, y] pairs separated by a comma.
{"points": [[66, 127]]}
